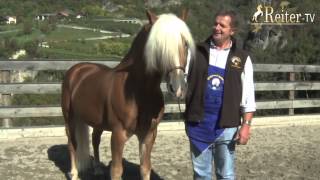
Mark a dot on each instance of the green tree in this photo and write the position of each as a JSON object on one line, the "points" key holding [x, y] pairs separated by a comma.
{"points": [[27, 27], [93, 10], [45, 28], [31, 48]]}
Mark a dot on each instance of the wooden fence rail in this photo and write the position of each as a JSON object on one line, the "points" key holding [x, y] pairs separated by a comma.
{"points": [[55, 87], [8, 88]]}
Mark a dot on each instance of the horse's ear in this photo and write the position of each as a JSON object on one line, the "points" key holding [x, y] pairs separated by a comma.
{"points": [[152, 17], [184, 14]]}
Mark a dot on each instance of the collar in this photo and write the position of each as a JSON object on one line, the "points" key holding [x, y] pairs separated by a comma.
{"points": [[204, 46], [213, 46]]}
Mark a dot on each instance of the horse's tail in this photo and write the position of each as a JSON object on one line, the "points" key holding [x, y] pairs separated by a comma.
{"points": [[82, 149], [66, 101]]}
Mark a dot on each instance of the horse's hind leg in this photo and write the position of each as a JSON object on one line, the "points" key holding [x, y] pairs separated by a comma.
{"points": [[118, 139], [145, 148], [72, 151], [96, 137], [70, 131]]}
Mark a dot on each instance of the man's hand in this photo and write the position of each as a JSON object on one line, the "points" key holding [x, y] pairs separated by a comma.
{"points": [[243, 134]]}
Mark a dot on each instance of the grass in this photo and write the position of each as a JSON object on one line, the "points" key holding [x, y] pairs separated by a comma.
{"points": [[67, 34], [65, 54], [70, 43], [109, 25], [60, 34], [88, 49], [7, 27]]}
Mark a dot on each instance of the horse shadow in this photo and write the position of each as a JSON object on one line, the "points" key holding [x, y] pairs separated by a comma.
{"points": [[59, 154]]}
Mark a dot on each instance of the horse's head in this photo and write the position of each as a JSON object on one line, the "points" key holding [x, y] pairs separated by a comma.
{"points": [[167, 49]]}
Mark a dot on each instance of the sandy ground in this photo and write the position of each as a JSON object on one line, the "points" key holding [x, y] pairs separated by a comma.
{"points": [[286, 152]]}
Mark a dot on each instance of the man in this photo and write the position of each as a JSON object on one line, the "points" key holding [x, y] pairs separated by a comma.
{"points": [[220, 94]]}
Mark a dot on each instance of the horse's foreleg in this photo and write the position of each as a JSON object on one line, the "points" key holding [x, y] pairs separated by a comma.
{"points": [[96, 138], [118, 139], [145, 148]]}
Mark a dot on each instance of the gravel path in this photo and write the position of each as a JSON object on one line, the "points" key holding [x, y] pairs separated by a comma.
{"points": [[286, 152]]}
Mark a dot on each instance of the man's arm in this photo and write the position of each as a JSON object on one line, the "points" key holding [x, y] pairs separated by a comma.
{"points": [[248, 104]]}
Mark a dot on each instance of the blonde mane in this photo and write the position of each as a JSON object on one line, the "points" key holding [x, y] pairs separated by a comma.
{"points": [[162, 48]]}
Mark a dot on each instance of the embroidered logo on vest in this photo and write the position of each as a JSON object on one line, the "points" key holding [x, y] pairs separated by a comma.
{"points": [[216, 81], [236, 62]]}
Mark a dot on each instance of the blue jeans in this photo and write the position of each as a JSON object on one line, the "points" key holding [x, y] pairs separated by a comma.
{"points": [[222, 152]]}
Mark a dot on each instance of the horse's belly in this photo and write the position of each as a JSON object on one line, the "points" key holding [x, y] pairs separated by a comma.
{"points": [[89, 114]]}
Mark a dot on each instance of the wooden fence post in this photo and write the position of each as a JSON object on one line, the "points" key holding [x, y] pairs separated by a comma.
{"points": [[291, 92], [5, 99]]}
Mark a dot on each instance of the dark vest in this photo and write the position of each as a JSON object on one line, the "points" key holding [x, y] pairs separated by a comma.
{"points": [[231, 112]]}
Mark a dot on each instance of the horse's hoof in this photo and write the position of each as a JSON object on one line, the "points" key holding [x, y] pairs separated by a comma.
{"points": [[73, 176], [98, 171]]}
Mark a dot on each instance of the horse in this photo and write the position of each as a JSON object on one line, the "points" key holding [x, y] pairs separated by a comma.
{"points": [[259, 12], [284, 4], [127, 99]]}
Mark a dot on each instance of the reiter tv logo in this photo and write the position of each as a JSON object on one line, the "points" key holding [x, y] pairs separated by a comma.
{"points": [[267, 15]]}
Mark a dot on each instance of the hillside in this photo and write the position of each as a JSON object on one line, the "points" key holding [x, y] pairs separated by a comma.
{"points": [[262, 41]]}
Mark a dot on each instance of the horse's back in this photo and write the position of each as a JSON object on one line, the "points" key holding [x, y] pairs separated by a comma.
{"points": [[84, 89], [81, 71]]}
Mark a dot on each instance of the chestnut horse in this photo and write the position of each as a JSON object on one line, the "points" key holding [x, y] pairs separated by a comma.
{"points": [[127, 99]]}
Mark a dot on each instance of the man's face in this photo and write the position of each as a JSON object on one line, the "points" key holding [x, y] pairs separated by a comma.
{"points": [[222, 30]]}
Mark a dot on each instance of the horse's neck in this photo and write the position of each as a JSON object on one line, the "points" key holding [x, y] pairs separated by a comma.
{"points": [[150, 79], [130, 61], [135, 66], [135, 53]]}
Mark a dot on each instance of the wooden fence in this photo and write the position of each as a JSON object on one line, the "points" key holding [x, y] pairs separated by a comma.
{"points": [[8, 88]]}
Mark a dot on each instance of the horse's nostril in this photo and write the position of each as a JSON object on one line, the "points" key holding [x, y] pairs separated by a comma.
{"points": [[172, 89]]}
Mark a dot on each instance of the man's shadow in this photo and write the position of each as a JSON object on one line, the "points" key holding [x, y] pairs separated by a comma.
{"points": [[59, 154]]}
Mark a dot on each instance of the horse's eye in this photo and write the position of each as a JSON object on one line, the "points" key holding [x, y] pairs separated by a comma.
{"points": [[186, 46]]}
